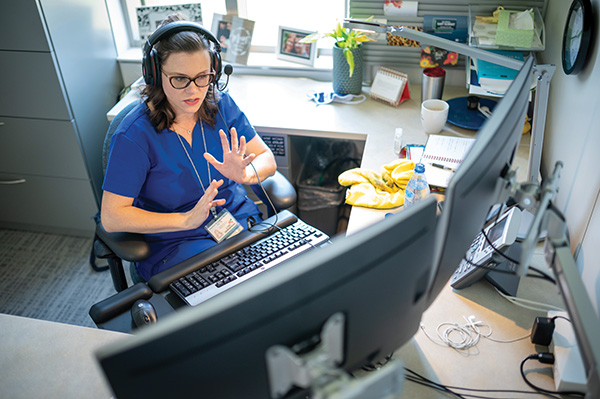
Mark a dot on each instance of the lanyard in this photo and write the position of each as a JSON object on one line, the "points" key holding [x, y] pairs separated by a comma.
{"points": [[212, 209]]}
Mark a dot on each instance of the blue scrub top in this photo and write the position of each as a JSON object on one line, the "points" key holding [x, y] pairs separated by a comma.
{"points": [[153, 168]]}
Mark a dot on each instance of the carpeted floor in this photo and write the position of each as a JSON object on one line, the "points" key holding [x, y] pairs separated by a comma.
{"points": [[47, 276]]}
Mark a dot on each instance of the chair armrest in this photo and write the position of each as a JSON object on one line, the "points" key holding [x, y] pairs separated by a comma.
{"points": [[131, 247], [281, 192]]}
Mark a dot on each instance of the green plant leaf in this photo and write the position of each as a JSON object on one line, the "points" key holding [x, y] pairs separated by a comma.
{"points": [[350, 60], [313, 37], [345, 39]]}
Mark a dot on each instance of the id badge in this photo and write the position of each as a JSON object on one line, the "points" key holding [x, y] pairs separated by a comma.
{"points": [[223, 226]]}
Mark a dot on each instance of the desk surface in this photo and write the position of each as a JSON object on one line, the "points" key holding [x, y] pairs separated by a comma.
{"points": [[43, 359]]}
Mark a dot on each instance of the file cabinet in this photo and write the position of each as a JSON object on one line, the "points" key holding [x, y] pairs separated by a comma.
{"points": [[59, 76]]}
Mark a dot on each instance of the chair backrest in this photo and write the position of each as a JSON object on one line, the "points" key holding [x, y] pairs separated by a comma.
{"points": [[112, 128]]}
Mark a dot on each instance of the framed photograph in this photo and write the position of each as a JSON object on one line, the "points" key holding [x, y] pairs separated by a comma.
{"points": [[234, 35], [289, 47], [149, 17]]}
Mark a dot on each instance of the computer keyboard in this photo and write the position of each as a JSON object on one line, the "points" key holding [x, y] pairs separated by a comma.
{"points": [[216, 277]]}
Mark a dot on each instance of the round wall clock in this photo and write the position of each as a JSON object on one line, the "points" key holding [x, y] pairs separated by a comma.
{"points": [[577, 36]]}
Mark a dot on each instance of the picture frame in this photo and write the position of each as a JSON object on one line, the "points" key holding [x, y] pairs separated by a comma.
{"points": [[235, 37], [149, 17], [289, 49]]}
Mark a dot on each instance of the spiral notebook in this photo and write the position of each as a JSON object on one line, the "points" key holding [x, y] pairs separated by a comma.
{"points": [[442, 156]]}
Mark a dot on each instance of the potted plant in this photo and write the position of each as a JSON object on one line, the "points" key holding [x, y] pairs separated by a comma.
{"points": [[347, 58]]}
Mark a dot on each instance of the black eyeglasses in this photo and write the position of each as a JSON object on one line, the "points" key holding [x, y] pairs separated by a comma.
{"points": [[181, 82]]}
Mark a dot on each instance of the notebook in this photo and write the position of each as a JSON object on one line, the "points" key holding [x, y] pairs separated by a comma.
{"points": [[442, 156]]}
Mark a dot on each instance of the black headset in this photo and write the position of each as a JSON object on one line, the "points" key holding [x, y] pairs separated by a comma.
{"points": [[151, 61]]}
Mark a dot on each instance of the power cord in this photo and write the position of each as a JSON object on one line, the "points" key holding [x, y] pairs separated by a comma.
{"points": [[541, 275], [527, 304], [416, 378], [545, 358], [496, 250]]}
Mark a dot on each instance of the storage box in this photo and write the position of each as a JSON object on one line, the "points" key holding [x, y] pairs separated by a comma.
{"points": [[508, 36]]}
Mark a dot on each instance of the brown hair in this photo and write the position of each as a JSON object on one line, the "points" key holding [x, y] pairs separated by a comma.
{"points": [[161, 113]]}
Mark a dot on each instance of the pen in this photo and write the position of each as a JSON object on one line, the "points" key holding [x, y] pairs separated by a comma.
{"points": [[437, 165]]}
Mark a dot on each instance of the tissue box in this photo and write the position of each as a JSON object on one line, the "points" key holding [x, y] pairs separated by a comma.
{"points": [[507, 36]]}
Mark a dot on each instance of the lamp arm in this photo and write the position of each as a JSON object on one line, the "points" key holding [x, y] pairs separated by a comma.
{"points": [[456, 47]]}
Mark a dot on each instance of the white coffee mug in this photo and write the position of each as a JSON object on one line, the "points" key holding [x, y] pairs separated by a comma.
{"points": [[434, 114]]}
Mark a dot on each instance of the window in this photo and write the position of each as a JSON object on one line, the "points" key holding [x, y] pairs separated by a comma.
{"points": [[209, 7], [314, 15]]}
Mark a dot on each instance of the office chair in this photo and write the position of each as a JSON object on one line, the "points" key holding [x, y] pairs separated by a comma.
{"points": [[132, 247]]}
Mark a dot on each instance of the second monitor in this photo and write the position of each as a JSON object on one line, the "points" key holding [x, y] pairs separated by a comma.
{"points": [[480, 180]]}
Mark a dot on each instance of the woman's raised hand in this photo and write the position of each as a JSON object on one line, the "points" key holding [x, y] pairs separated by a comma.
{"points": [[235, 159]]}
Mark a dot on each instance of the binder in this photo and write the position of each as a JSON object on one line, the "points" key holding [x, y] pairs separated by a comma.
{"points": [[390, 87]]}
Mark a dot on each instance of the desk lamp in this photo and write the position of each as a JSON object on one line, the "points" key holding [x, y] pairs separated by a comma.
{"points": [[542, 73]]}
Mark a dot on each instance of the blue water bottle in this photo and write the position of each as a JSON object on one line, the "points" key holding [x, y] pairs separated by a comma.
{"points": [[417, 187]]}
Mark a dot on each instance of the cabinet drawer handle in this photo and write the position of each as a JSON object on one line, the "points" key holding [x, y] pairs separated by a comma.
{"points": [[1, 123], [17, 181]]}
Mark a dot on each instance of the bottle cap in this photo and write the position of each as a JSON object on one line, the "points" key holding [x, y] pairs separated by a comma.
{"points": [[419, 168]]}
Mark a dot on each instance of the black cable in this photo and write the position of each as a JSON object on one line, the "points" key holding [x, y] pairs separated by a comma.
{"points": [[266, 230], [561, 317], [419, 379], [379, 364], [543, 276], [546, 358], [496, 250]]}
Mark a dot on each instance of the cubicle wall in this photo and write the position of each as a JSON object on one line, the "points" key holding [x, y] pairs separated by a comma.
{"points": [[378, 53]]}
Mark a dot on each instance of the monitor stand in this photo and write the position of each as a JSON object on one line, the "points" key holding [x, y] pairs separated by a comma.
{"points": [[318, 369]]}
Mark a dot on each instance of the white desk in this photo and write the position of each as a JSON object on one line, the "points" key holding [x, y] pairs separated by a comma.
{"points": [[42, 359]]}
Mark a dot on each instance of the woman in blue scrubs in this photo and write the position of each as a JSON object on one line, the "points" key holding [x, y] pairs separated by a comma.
{"points": [[172, 165]]}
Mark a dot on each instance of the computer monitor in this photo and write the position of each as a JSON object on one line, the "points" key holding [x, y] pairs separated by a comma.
{"points": [[479, 180], [377, 278]]}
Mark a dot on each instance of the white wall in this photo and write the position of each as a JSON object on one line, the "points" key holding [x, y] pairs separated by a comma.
{"points": [[573, 136]]}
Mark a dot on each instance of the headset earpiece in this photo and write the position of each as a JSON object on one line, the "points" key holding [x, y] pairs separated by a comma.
{"points": [[151, 60]]}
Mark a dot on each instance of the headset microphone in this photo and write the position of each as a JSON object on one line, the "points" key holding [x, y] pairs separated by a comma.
{"points": [[227, 70]]}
